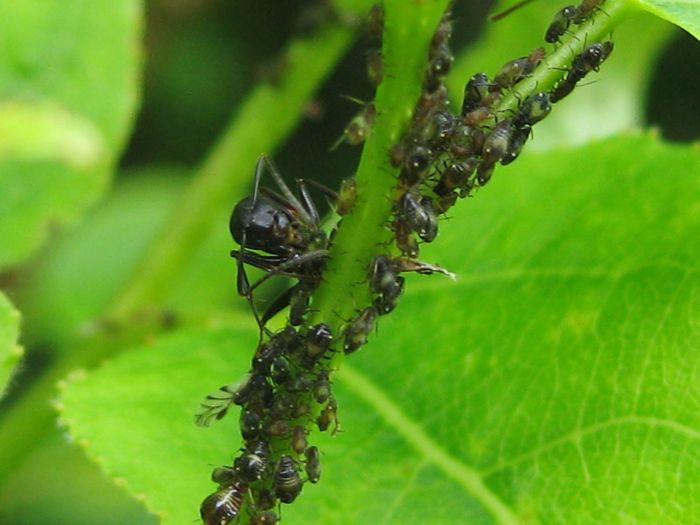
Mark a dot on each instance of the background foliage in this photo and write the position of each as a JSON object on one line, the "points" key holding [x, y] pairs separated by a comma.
{"points": [[554, 383]]}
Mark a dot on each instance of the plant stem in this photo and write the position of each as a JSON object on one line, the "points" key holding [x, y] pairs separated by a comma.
{"points": [[554, 66]]}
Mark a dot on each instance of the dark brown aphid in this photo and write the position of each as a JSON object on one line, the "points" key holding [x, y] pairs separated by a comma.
{"points": [[223, 506], [299, 441], [386, 283], [223, 475], [278, 428], [590, 59], [419, 214], [288, 483], [313, 464], [515, 146], [328, 415], [533, 109], [322, 388], [476, 93], [250, 425], [585, 10], [514, 71], [456, 176], [405, 241], [357, 331], [496, 142], [560, 24], [318, 339]]}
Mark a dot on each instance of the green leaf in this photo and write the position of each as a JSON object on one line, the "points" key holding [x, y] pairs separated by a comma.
{"points": [[73, 67], [555, 383], [10, 352], [100, 255], [683, 13], [614, 102]]}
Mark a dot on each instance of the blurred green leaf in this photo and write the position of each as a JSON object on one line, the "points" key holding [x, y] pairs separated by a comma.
{"points": [[71, 65], [100, 255], [554, 383], [615, 99], [40, 131], [683, 13], [10, 352]]}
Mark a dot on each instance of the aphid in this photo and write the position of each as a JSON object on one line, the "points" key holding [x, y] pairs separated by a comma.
{"points": [[514, 71], [439, 129], [264, 518], [265, 499], [386, 283], [223, 475], [416, 163], [419, 214], [476, 93], [515, 146], [284, 407], [484, 172], [346, 196], [313, 464], [560, 24], [224, 505], [496, 143], [318, 339], [278, 428], [533, 109], [585, 9], [321, 388], [357, 331], [441, 62], [299, 441], [280, 370], [590, 59], [288, 483], [215, 405], [286, 230], [251, 425], [375, 22], [250, 467], [405, 241], [441, 36], [375, 67], [357, 130], [397, 155], [328, 415], [477, 116], [455, 176], [299, 303]]}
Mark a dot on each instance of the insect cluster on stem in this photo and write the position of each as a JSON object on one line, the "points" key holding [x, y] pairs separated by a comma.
{"points": [[443, 156]]}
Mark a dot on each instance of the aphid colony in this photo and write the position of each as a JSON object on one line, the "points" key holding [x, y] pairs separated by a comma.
{"points": [[442, 157]]}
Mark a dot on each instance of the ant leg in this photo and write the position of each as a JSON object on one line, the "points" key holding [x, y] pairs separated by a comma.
{"points": [[292, 200], [279, 304], [308, 203]]}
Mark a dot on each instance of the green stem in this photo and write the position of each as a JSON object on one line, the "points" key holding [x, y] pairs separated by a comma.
{"points": [[365, 233], [554, 66]]}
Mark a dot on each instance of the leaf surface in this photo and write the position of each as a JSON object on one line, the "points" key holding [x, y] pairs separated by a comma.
{"points": [[683, 13], [556, 382], [10, 351], [70, 66]]}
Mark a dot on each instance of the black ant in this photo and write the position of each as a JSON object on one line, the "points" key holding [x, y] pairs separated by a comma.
{"points": [[288, 232]]}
